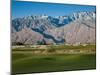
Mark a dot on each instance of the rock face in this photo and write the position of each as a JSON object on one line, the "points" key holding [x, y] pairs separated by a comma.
{"points": [[76, 28], [26, 36]]}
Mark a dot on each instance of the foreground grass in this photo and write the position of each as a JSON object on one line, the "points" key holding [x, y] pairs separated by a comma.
{"points": [[27, 63]]}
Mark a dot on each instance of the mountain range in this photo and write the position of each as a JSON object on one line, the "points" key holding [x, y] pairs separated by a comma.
{"points": [[76, 28]]}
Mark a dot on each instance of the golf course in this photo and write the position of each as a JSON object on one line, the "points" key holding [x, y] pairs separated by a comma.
{"points": [[53, 58]]}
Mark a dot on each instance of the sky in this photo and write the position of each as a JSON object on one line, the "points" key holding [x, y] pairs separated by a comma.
{"points": [[22, 9]]}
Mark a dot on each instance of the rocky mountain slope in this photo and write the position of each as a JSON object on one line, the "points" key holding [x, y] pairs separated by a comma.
{"points": [[76, 28]]}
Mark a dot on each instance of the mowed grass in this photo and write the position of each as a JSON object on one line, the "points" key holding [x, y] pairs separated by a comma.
{"points": [[31, 63]]}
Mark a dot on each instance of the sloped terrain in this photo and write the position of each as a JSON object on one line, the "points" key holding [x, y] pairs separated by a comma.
{"points": [[77, 28]]}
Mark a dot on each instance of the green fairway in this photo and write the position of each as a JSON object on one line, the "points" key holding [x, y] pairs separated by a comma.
{"points": [[51, 58], [27, 63]]}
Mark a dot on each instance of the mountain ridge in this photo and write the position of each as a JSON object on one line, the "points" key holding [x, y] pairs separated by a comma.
{"points": [[58, 29]]}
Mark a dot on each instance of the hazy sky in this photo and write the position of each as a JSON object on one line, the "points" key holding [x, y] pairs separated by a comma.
{"points": [[20, 8]]}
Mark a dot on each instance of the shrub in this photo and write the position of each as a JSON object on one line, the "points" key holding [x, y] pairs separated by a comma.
{"points": [[51, 49]]}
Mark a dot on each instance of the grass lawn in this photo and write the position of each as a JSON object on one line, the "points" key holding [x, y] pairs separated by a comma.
{"points": [[31, 63]]}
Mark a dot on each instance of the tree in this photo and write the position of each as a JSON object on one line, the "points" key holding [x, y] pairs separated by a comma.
{"points": [[42, 42], [17, 43]]}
